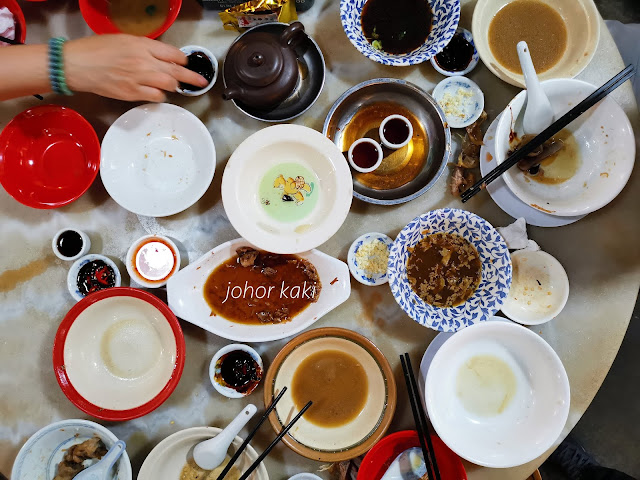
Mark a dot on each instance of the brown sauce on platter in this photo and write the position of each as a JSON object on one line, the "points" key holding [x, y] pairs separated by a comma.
{"points": [[396, 27], [138, 17], [457, 55], [535, 22], [256, 287], [238, 371], [336, 383], [398, 167], [444, 269]]}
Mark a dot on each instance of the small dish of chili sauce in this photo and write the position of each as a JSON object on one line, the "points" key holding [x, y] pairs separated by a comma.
{"points": [[90, 274], [236, 370]]}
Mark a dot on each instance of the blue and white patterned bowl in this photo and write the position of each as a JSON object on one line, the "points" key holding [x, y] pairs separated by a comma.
{"points": [[446, 15], [475, 58], [496, 269], [356, 270]]}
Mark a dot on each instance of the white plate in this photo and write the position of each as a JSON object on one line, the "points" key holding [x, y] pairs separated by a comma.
{"points": [[606, 148], [362, 275], [471, 107], [120, 353], [157, 160], [508, 433], [39, 457], [168, 458], [329, 182], [186, 299], [539, 288], [505, 198]]}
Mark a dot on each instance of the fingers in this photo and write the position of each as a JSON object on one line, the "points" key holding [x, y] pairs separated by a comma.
{"points": [[150, 94], [160, 80], [185, 75], [167, 53]]}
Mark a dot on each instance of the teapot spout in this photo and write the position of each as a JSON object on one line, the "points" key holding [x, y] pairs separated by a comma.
{"points": [[233, 92]]}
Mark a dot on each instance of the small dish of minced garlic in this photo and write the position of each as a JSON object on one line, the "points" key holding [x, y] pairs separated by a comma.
{"points": [[368, 258]]}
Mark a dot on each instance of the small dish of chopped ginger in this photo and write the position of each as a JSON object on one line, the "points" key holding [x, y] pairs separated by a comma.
{"points": [[368, 258]]}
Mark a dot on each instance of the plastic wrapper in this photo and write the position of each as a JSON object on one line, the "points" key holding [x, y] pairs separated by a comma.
{"points": [[255, 12]]}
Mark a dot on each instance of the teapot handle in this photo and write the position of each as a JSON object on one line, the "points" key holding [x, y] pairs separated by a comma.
{"points": [[293, 35]]}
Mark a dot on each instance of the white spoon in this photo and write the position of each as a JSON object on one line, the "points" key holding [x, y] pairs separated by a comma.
{"points": [[538, 113], [211, 453], [409, 465], [100, 470]]}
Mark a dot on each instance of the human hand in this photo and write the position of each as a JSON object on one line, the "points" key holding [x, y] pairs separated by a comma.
{"points": [[126, 67]]}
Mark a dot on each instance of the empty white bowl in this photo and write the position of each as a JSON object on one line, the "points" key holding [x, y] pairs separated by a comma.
{"points": [[189, 49], [223, 389], [606, 151], [539, 288], [40, 455], [354, 145], [507, 414]]}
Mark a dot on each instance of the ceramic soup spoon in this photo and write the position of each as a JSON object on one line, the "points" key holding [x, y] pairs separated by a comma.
{"points": [[538, 113], [211, 453], [409, 465], [100, 470]]}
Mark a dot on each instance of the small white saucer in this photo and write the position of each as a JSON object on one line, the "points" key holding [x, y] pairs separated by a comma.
{"points": [[356, 271], [472, 109], [505, 198]]}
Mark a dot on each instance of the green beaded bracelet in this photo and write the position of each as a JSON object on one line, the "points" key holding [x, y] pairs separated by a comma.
{"points": [[56, 67]]}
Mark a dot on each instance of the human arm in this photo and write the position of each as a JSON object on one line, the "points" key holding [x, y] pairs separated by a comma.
{"points": [[118, 66]]}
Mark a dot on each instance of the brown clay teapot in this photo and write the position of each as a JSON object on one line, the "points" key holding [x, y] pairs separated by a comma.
{"points": [[261, 69]]}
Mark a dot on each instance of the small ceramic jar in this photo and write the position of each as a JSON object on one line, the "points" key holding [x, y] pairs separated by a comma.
{"points": [[70, 244]]}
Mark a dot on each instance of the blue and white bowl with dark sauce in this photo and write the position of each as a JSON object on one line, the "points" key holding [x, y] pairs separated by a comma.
{"points": [[496, 269], [444, 22]]}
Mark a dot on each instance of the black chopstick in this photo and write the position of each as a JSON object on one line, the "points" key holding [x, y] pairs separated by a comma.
{"points": [[284, 431], [16, 42], [423, 418], [251, 435], [550, 131], [419, 419]]}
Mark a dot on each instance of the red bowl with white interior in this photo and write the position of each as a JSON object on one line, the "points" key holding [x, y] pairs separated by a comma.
{"points": [[119, 353], [18, 17]]}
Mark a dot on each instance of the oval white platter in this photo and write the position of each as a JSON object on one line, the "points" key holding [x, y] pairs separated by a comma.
{"points": [[186, 299]]}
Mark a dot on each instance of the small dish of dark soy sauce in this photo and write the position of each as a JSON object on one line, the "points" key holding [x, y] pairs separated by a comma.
{"points": [[459, 57], [70, 244], [203, 62]]}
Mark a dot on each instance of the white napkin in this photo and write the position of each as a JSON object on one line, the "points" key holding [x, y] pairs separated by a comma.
{"points": [[515, 236], [7, 25]]}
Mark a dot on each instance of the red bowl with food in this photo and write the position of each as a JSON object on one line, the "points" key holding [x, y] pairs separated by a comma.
{"points": [[147, 19], [119, 353], [49, 156], [18, 17], [381, 456]]}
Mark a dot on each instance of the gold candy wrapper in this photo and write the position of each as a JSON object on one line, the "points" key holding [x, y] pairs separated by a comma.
{"points": [[255, 12]]}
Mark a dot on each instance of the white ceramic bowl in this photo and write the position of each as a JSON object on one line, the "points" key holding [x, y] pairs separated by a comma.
{"points": [[467, 92], [157, 160], [166, 460], [186, 299], [356, 270], [507, 433], [385, 141], [160, 264], [475, 58], [606, 148], [86, 244], [39, 457], [189, 49], [581, 18], [72, 276], [223, 389], [318, 202], [353, 146], [305, 476], [539, 288]]}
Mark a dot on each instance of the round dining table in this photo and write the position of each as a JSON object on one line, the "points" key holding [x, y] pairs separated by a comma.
{"points": [[599, 252]]}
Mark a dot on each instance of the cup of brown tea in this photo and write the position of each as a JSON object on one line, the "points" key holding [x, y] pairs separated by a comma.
{"points": [[396, 131], [365, 155]]}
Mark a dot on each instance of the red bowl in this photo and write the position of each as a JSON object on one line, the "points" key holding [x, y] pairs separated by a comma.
{"points": [[49, 156], [383, 453], [18, 16], [58, 355], [96, 14]]}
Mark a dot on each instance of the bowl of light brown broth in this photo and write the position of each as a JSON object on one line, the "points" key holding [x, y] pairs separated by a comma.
{"points": [[562, 36], [145, 18], [350, 384]]}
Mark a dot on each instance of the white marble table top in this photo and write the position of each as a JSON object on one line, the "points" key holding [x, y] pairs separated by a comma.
{"points": [[599, 252]]}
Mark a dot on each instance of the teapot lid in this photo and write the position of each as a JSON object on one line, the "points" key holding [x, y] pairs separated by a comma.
{"points": [[258, 60]]}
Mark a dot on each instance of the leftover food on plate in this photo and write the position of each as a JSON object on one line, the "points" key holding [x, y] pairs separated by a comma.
{"points": [[444, 269], [72, 462], [239, 371], [94, 276], [337, 384], [463, 175], [396, 28], [457, 55], [373, 256], [191, 471], [535, 22], [258, 287]]}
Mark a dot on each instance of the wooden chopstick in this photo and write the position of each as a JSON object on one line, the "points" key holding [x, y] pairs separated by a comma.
{"points": [[423, 418], [550, 131], [251, 435], [16, 42], [284, 431], [423, 432]]}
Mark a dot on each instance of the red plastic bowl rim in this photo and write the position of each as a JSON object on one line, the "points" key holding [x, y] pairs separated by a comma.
{"points": [[21, 23], [100, 28], [95, 163], [58, 355]]}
